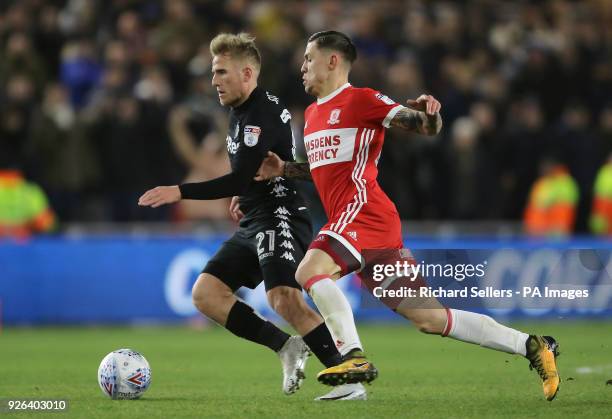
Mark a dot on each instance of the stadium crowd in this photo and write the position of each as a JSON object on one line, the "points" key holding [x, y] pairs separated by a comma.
{"points": [[100, 100]]}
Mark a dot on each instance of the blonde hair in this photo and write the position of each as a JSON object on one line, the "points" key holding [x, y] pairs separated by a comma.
{"points": [[240, 45]]}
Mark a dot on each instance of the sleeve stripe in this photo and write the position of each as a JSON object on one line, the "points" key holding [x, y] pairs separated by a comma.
{"points": [[387, 121]]}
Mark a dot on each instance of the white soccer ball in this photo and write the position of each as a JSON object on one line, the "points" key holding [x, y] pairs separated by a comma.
{"points": [[124, 374]]}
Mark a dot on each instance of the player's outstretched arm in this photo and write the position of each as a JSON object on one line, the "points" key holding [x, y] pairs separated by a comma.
{"points": [[422, 116], [159, 196], [273, 166]]}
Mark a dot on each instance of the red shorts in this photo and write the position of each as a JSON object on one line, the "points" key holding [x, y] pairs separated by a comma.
{"points": [[345, 247]]}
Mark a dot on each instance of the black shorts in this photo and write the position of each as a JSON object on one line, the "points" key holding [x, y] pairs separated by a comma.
{"points": [[268, 246]]}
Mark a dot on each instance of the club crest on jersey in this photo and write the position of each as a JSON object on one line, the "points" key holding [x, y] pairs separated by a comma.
{"points": [[251, 135], [334, 117]]}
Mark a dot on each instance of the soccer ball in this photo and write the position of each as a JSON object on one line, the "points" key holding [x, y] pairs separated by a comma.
{"points": [[124, 374]]}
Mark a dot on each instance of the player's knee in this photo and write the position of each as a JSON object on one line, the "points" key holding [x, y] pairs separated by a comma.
{"points": [[308, 268], [206, 296], [316, 263], [302, 273]]}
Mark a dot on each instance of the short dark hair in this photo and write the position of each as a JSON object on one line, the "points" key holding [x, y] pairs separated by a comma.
{"points": [[336, 41]]}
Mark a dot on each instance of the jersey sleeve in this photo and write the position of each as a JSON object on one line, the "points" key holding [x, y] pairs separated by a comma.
{"points": [[378, 109], [258, 137]]}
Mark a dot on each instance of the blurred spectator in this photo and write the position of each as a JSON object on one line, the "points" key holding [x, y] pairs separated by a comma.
{"points": [[131, 32], [15, 115], [464, 159], [551, 209], [24, 209], [61, 155], [523, 144], [601, 213], [129, 142], [205, 157], [177, 39], [49, 39], [19, 58], [581, 150], [80, 70]]}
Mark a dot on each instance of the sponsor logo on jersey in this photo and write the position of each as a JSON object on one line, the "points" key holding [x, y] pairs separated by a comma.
{"points": [[352, 234], [232, 147], [251, 135], [385, 99], [330, 146], [334, 117]]}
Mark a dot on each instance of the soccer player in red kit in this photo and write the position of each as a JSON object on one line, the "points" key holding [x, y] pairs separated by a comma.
{"points": [[343, 135]]}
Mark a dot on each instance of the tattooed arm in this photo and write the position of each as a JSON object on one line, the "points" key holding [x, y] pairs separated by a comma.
{"points": [[272, 166], [296, 170], [422, 116]]}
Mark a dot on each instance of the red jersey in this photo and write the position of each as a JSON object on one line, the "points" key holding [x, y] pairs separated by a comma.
{"points": [[343, 135]]}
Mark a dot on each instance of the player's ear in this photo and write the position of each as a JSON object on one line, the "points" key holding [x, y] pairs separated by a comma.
{"points": [[247, 74], [333, 61]]}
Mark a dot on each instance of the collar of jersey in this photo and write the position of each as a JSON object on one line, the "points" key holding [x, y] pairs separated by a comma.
{"points": [[245, 105], [332, 94]]}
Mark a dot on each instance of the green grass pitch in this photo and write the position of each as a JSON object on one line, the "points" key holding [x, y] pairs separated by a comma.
{"points": [[211, 373]]}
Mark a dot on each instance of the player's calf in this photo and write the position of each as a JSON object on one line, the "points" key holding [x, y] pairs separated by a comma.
{"points": [[427, 320], [289, 303]]}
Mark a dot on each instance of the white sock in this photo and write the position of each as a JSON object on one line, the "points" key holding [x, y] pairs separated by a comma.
{"points": [[338, 314], [484, 331]]}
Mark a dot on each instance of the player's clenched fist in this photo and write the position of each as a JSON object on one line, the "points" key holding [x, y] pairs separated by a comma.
{"points": [[271, 167], [159, 196], [425, 103]]}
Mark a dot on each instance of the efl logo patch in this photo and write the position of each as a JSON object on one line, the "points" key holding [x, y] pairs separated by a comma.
{"points": [[334, 117], [385, 99], [251, 135]]}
